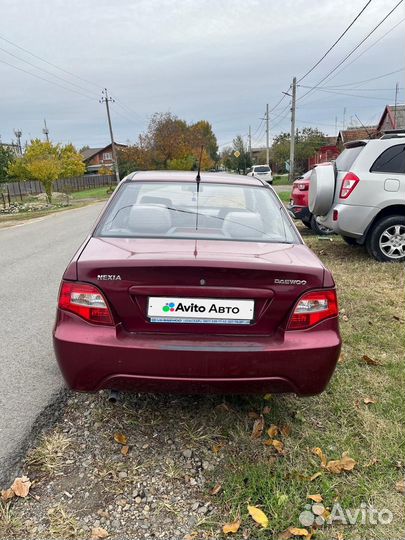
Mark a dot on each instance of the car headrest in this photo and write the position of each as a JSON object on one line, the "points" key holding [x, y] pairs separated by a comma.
{"points": [[149, 219], [148, 199], [243, 225]]}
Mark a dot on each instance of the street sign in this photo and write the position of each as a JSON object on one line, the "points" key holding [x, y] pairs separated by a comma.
{"points": [[236, 153]]}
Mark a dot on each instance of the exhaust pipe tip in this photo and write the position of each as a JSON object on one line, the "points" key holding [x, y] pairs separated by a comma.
{"points": [[113, 396]]}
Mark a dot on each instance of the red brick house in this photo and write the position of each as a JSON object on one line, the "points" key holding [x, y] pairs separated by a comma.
{"points": [[97, 158], [328, 152]]}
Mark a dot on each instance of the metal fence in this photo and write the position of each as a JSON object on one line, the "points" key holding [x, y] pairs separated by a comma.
{"points": [[12, 190]]}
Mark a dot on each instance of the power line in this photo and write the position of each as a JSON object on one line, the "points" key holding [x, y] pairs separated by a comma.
{"points": [[353, 50], [47, 80], [44, 70], [365, 80], [346, 94], [367, 49], [47, 62], [335, 43]]}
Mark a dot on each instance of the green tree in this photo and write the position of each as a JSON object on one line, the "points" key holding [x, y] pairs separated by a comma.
{"points": [[7, 157], [47, 162], [240, 162]]}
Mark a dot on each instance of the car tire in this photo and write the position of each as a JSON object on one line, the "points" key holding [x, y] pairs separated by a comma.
{"points": [[321, 189], [350, 241], [386, 239], [306, 223], [319, 229]]}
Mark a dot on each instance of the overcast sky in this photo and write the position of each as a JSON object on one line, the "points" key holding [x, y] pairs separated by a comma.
{"points": [[219, 60]]}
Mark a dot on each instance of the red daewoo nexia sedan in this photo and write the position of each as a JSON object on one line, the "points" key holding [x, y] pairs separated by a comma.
{"points": [[196, 285]]}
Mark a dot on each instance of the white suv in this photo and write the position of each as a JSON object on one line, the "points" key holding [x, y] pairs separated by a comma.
{"points": [[262, 171], [362, 196]]}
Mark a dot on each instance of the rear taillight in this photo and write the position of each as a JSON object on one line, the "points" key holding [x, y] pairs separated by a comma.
{"points": [[303, 187], [313, 308], [85, 300], [350, 181]]}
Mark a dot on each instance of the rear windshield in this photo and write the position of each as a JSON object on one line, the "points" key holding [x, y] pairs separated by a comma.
{"points": [[262, 169], [346, 159], [215, 212]]}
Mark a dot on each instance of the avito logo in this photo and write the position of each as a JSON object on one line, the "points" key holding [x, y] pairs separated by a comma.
{"points": [[169, 306]]}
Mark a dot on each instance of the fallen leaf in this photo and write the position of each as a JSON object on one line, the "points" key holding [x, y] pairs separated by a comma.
{"points": [[316, 498], [258, 428], [345, 318], [372, 462], [278, 445], [98, 532], [267, 397], [253, 415], [231, 527], [336, 466], [216, 489], [272, 431], [370, 361], [21, 486], [400, 486], [285, 535], [369, 401], [318, 452], [341, 359], [191, 536], [315, 476], [216, 448], [259, 516], [285, 430], [266, 410], [120, 438], [7, 494], [296, 531], [125, 450]]}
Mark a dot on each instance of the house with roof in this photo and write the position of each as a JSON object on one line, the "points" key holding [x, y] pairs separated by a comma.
{"points": [[393, 117], [100, 157], [355, 133]]}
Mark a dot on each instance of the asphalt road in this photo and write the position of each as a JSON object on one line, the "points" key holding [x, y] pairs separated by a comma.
{"points": [[33, 256]]}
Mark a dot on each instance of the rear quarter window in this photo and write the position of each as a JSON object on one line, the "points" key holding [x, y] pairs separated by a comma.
{"points": [[391, 160]]}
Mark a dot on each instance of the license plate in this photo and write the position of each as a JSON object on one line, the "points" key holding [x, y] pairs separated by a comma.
{"points": [[200, 310]]}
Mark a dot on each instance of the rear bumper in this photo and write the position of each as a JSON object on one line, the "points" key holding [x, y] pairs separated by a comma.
{"points": [[94, 357], [299, 212], [352, 221]]}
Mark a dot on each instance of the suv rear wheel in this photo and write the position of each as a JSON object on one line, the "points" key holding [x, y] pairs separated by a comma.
{"points": [[319, 229], [386, 240]]}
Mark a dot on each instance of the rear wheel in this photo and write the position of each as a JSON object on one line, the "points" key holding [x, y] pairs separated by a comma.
{"points": [[350, 241], [386, 240], [319, 229], [306, 223]]}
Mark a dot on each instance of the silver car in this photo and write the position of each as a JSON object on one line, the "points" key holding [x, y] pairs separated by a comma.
{"points": [[362, 196]]}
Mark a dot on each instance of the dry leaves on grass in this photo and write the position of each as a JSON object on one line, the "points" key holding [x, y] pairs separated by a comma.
{"points": [[125, 450], [336, 466], [294, 531], [97, 533], [369, 401], [370, 361], [316, 498], [217, 447], [258, 516], [272, 431], [231, 527], [191, 536], [21, 486], [120, 438], [216, 489], [6, 494], [400, 486], [258, 428]]}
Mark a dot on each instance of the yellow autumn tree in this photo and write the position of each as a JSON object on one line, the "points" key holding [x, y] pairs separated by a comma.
{"points": [[46, 162]]}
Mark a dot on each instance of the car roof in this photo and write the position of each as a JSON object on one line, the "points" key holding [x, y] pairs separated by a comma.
{"points": [[190, 176]]}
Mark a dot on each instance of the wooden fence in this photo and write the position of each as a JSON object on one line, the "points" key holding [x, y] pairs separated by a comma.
{"points": [[13, 190]]}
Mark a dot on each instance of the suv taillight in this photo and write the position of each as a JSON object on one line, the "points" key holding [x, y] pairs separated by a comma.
{"points": [[86, 301], [313, 308], [350, 181], [303, 187]]}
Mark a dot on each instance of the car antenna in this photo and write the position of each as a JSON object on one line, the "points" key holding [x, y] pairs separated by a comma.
{"points": [[368, 133], [198, 180]]}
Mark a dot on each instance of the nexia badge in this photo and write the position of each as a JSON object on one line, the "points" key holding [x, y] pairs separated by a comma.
{"points": [[109, 277], [290, 282]]}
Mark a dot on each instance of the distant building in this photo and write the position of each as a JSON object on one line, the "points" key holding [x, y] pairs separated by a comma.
{"points": [[393, 117], [328, 152], [356, 133], [101, 157]]}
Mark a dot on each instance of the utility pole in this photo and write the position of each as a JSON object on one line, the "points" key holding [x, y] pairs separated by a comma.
{"points": [[395, 106], [250, 144], [344, 118], [18, 134], [45, 131], [267, 136], [105, 99], [292, 133]]}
